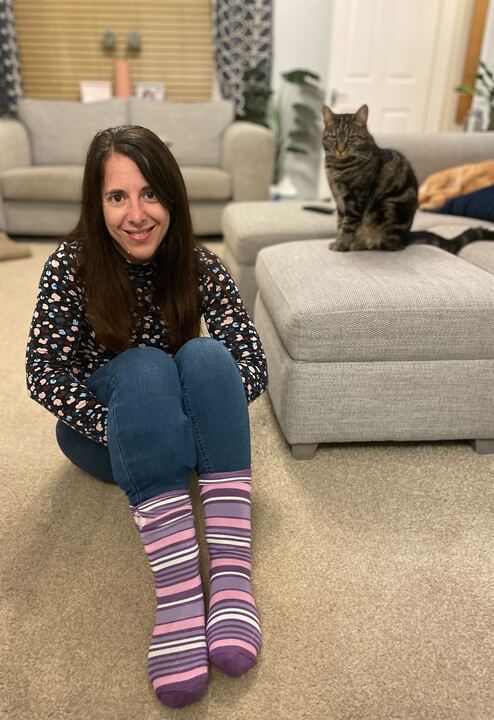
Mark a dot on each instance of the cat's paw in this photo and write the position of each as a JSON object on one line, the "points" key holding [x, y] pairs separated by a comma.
{"points": [[338, 246]]}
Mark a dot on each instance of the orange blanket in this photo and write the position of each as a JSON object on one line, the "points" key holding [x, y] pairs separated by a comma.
{"points": [[450, 183]]}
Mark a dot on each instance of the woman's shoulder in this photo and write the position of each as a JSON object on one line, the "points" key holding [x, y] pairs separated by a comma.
{"points": [[67, 253], [63, 262], [206, 256]]}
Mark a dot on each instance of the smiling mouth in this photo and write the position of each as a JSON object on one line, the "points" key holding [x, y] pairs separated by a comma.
{"points": [[141, 234]]}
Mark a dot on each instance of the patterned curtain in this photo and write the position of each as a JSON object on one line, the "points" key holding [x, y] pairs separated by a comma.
{"points": [[242, 35], [10, 76]]}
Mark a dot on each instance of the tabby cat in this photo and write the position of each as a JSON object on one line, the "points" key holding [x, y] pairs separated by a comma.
{"points": [[375, 191]]}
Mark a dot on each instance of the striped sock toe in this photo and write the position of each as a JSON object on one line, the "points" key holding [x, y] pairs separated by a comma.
{"points": [[177, 659], [233, 631]]}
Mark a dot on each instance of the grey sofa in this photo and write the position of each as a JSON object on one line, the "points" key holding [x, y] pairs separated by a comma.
{"points": [[42, 153], [248, 227]]}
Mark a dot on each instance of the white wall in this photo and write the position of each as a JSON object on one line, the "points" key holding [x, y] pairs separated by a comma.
{"points": [[301, 32]]}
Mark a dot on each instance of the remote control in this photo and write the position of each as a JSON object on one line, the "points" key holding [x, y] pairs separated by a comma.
{"points": [[320, 208]]}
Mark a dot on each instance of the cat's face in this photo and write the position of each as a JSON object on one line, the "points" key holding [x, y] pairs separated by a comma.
{"points": [[346, 136]]}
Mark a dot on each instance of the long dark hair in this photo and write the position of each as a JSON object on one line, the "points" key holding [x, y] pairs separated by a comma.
{"points": [[110, 298]]}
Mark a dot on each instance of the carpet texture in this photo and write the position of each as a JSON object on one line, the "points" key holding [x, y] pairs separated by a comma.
{"points": [[373, 574]]}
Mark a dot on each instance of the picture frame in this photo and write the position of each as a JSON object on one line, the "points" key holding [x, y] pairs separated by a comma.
{"points": [[95, 90], [150, 90]]}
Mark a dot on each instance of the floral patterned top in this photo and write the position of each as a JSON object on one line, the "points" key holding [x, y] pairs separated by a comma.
{"points": [[62, 350]]}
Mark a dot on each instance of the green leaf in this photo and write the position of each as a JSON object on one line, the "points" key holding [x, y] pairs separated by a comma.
{"points": [[299, 77], [296, 150], [466, 89], [299, 135], [486, 69]]}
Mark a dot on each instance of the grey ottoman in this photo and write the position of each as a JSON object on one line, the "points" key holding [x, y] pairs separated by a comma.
{"points": [[376, 346], [250, 226]]}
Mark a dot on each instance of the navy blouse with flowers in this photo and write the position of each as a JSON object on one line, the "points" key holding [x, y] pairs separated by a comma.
{"points": [[62, 349]]}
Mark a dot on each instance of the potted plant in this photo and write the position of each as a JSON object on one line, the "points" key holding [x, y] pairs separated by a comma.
{"points": [[484, 87], [293, 113]]}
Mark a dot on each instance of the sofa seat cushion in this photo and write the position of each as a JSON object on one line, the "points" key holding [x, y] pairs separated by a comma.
{"points": [[43, 183], [194, 131], [61, 130], [417, 304], [207, 183], [480, 253], [250, 226], [63, 183]]}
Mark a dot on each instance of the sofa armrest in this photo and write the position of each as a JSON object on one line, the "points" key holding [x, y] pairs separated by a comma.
{"points": [[15, 149], [248, 155]]}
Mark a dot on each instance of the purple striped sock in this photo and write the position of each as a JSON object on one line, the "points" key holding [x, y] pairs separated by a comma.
{"points": [[177, 660], [233, 632]]}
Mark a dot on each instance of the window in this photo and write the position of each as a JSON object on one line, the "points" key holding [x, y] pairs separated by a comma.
{"points": [[60, 45]]}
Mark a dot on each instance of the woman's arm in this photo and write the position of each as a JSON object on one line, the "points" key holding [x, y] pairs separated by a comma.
{"points": [[51, 370], [227, 321]]}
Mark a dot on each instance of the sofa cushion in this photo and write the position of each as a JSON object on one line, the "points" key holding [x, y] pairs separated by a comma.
{"points": [[430, 152], [480, 253], [477, 204], [40, 183], [63, 183], [61, 130], [194, 130], [418, 304], [207, 183], [250, 226]]}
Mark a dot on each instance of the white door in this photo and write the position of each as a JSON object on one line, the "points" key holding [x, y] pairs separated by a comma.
{"points": [[393, 55], [400, 57]]}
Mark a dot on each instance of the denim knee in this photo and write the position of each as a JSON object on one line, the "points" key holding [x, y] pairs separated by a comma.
{"points": [[150, 438], [205, 356], [127, 367]]}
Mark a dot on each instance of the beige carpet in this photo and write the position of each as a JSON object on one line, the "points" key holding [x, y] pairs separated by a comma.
{"points": [[373, 574]]}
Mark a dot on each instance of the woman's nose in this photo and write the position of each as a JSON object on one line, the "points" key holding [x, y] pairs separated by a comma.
{"points": [[135, 210]]}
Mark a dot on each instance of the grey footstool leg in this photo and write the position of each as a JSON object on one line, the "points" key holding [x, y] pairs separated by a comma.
{"points": [[483, 446], [304, 452]]}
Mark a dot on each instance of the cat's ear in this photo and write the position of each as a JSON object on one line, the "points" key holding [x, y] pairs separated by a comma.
{"points": [[361, 115], [327, 115]]}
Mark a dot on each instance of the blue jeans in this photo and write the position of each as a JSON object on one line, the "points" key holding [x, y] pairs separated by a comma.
{"points": [[167, 416]]}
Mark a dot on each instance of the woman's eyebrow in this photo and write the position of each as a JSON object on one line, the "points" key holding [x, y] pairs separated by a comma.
{"points": [[114, 191]]}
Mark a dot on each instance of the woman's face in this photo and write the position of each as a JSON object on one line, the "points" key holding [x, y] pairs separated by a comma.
{"points": [[135, 218]]}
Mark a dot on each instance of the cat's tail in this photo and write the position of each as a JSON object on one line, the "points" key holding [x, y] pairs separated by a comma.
{"points": [[452, 245]]}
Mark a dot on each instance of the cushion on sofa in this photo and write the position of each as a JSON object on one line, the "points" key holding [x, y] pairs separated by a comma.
{"points": [[207, 183], [58, 183], [418, 304], [480, 253], [477, 204], [194, 130], [61, 130]]}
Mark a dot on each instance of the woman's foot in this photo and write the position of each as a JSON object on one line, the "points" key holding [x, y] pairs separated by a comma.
{"points": [[233, 631], [177, 660]]}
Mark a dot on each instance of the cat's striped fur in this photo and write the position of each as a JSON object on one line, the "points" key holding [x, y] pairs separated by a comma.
{"points": [[375, 191]]}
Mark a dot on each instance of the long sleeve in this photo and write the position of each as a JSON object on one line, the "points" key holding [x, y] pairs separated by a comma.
{"points": [[51, 365], [228, 321]]}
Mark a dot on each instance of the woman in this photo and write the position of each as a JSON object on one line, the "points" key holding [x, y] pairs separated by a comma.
{"points": [[141, 400]]}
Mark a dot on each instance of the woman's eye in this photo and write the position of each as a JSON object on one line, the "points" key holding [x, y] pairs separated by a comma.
{"points": [[150, 195], [116, 198]]}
